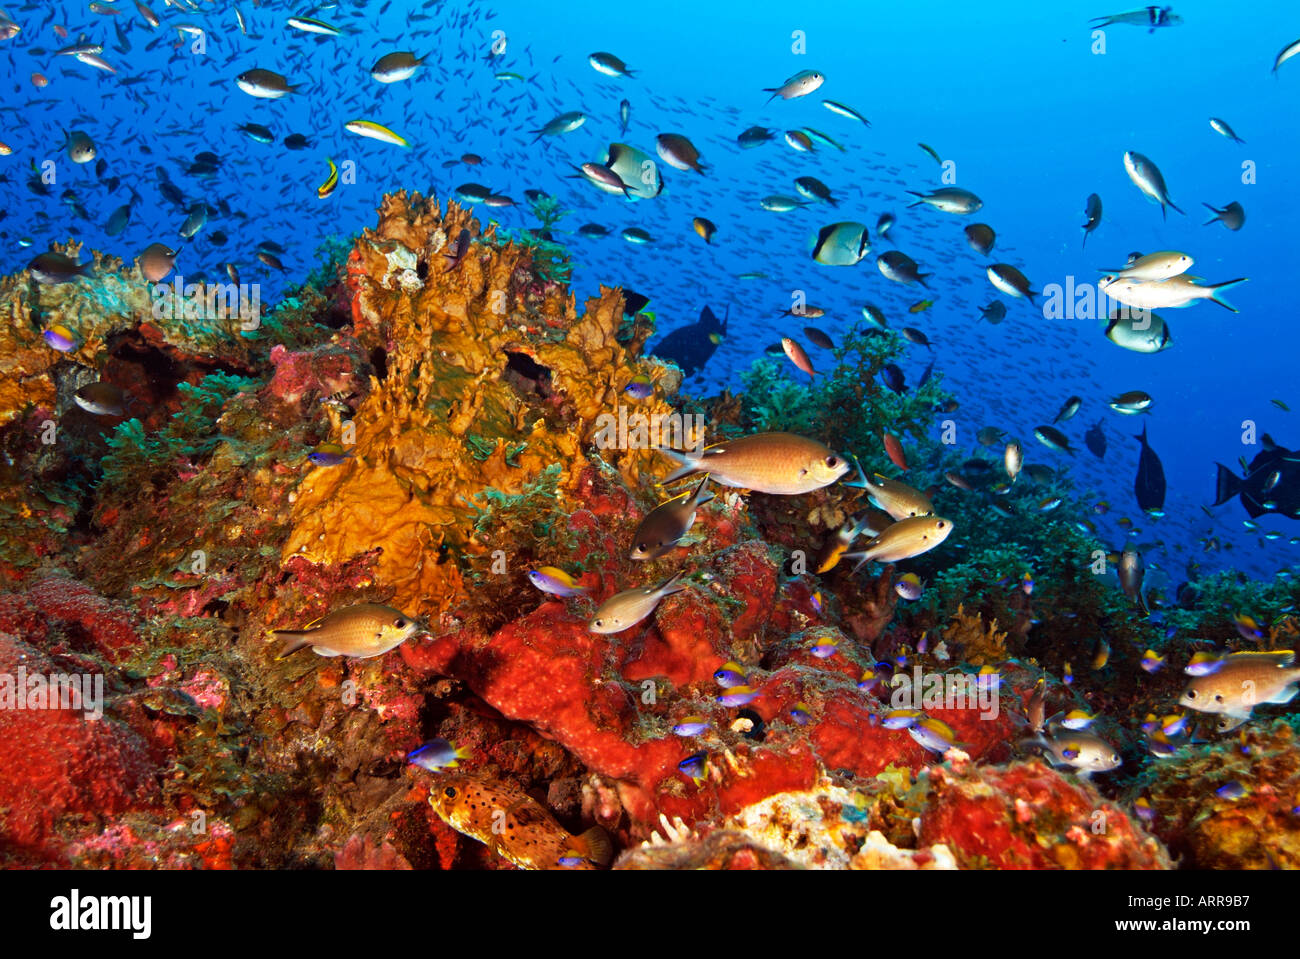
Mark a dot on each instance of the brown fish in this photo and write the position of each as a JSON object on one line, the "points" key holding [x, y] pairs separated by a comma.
{"points": [[514, 825], [664, 527], [780, 463], [156, 262], [1243, 681], [361, 631]]}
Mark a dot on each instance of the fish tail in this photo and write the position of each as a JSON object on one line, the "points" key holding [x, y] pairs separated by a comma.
{"points": [[921, 277], [702, 495], [597, 846], [689, 464], [297, 639], [1220, 287], [1213, 219], [1226, 485], [673, 584]]}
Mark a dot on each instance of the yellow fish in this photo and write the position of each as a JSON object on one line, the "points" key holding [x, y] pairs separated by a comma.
{"points": [[374, 131], [514, 825], [331, 181]]}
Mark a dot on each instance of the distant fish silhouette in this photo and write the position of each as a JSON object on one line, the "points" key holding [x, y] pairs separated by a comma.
{"points": [[1150, 483], [691, 346]]}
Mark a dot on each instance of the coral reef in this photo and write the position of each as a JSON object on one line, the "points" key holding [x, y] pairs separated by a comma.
{"points": [[420, 429]]}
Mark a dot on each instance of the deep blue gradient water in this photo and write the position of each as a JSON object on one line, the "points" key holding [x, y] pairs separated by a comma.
{"points": [[1014, 93]]}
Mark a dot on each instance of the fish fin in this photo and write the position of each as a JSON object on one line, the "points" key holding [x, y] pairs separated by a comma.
{"points": [[595, 842], [326, 651], [702, 494], [690, 463], [1169, 202], [673, 584], [1285, 696], [298, 638], [920, 278], [1225, 285]]}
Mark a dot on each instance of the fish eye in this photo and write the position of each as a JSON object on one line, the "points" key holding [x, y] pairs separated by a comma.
{"points": [[400, 623], [600, 622], [450, 792], [1191, 694], [1218, 697], [941, 525], [832, 462]]}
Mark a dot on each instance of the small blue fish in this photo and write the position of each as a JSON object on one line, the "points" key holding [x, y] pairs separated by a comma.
{"points": [[933, 734], [900, 718], [799, 714], [551, 579], [691, 726], [732, 674], [61, 338], [695, 767], [329, 454], [640, 387], [825, 647], [1152, 662], [1203, 664], [437, 755], [738, 696], [1232, 790]]}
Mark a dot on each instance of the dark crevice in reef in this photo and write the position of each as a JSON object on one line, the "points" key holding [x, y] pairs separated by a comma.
{"points": [[527, 375]]}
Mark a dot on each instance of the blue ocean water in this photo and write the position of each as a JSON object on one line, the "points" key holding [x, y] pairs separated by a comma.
{"points": [[1017, 95]]}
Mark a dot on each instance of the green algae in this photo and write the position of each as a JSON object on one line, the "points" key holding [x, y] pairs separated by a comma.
{"points": [[136, 458]]}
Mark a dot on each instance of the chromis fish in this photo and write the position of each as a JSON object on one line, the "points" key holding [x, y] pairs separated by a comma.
{"points": [[729, 675], [53, 268], [1152, 662], [825, 647], [438, 755], [624, 610], [1242, 681], [394, 67], [691, 726], [361, 632], [60, 338], [1078, 719], [264, 84], [553, 580], [1231, 790], [329, 454], [514, 825], [897, 499], [905, 539], [1081, 751], [800, 85], [934, 735], [1146, 177], [900, 718], [640, 387], [779, 463], [1203, 663], [909, 586], [101, 399], [738, 696], [695, 767], [668, 523]]}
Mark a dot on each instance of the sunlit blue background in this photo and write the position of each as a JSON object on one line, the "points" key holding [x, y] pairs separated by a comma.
{"points": [[1012, 92]]}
